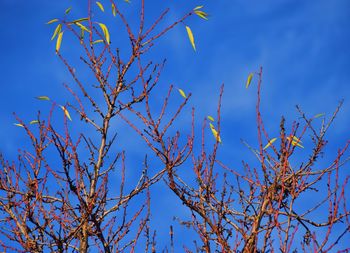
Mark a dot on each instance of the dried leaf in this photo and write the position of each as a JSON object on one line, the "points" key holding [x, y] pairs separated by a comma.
{"points": [[100, 6], [82, 26], [215, 133], [105, 32], [191, 38], [270, 143], [43, 98], [58, 42], [201, 14], [182, 93], [52, 21], [249, 80], [57, 30], [34, 122], [17, 124], [66, 112], [211, 118]]}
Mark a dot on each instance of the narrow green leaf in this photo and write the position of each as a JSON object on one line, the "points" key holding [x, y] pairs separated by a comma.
{"points": [[66, 112], [249, 80], [97, 41], [105, 32], [198, 7], [270, 143], [57, 31], [67, 10], [59, 41], [319, 115], [82, 26], [201, 14], [211, 118], [34, 122], [43, 98], [52, 21], [215, 133], [190, 37], [295, 141], [82, 34], [114, 11], [80, 20], [182, 93], [100, 6]]}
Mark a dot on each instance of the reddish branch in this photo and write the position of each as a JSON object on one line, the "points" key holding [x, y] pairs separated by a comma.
{"points": [[57, 198], [61, 193]]}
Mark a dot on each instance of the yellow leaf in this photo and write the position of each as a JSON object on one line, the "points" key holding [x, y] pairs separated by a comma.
{"points": [[52, 21], [100, 6], [182, 93], [198, 7], [66, 112], [57, 30], [295, 141], [17, 124], [34, 122], [97, 41], [270, 143], [211, 118], [82, 26], [202, 14], [67, 10], [249, 80], [105, 32], [215, 133], [128, 1], [190, 36], [58, 42], [114, 12], [43, 98]]}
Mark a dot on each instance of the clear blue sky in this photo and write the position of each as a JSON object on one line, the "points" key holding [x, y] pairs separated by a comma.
{"points": [[303, 47]]}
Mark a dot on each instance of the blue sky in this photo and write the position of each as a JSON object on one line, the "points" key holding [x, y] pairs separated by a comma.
{"points": [[303, 47]]}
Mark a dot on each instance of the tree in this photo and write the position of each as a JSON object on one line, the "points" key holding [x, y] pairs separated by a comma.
{"points": [[59, 195]]}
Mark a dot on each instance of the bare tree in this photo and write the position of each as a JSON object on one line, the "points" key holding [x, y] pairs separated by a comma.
{"points": [[264, 209], [58, 196]]}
